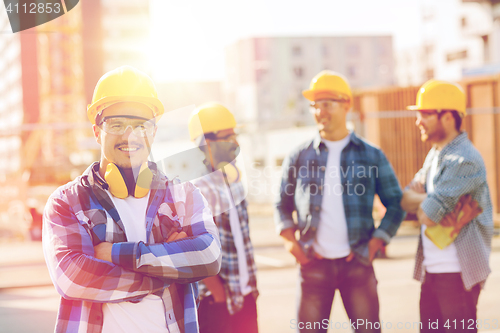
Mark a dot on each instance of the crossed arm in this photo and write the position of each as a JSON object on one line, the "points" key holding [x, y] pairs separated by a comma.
{"points": [[80, 271], [450, 204]]}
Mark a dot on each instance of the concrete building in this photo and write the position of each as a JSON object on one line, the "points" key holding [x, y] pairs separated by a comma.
{"points": [[263, 86], [11, 95], [115, 33], [41, 111], [265, 76], [457, 36]]}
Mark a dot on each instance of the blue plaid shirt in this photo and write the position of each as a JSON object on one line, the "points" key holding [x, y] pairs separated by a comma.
{"points": [[460, 171], [364, 172]]}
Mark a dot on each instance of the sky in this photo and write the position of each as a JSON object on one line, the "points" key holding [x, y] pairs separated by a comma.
{"points": [[188, 37]]}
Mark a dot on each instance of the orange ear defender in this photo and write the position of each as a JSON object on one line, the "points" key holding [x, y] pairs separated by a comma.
{"points": [[118, 187]]}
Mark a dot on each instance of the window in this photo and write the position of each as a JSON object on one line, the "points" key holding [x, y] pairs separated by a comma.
{"points": [[456, 55], [351, 71], [299, 72], [259, 163], [429, 73]]}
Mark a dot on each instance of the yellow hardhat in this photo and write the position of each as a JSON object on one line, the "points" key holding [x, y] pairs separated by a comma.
{"points": [[124, 84], [440, 95], [208, 118], [328, 84]]}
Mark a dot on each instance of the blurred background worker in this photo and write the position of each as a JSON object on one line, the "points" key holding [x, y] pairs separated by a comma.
{"points": [[228, 300], [333, 201], [452, 273]]}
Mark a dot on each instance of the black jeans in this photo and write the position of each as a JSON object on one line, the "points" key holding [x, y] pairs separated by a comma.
{"points": [[445, 305], [214, 317], [358, 288]]}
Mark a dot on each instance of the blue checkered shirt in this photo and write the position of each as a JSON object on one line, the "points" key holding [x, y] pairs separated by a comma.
{"points": [[364, 172], [460, 171], [76, 219]]}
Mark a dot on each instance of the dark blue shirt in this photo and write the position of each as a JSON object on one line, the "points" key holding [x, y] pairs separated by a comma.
{"points": [[364, 172]]}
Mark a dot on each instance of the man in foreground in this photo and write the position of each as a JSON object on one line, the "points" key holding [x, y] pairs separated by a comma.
{"points": [[330, 183], [449, 192], [124, 244]]}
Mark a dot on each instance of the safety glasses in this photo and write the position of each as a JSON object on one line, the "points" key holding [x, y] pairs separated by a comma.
{"points": [[327, 105], [118, 125]]}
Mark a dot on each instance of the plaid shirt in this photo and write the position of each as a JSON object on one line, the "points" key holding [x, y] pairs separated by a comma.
{"points": [[75, 220], [460, 171], [364, 172], [217, 193]]}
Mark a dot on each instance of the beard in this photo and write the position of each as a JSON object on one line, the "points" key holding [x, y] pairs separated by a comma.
{"points": [[435, 136]]}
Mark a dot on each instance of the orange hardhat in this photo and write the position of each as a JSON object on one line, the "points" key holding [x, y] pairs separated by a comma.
{"points": [[328, 84], [124, 84], [208, 118], [440, 95]]}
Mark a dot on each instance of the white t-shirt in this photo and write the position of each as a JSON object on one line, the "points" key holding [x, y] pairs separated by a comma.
{"points": [[332, 239], [148, 315], [234, 222], [435, 259]]}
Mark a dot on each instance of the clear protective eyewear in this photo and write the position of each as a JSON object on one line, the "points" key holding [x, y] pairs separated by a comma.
{"points": [[118, 125], [327, 105]]}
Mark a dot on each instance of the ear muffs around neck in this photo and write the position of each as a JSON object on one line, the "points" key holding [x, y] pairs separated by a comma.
{"points": [[118, 184]]}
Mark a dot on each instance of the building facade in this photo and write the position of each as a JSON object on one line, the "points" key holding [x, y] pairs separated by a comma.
{"points": [[265, 76]]}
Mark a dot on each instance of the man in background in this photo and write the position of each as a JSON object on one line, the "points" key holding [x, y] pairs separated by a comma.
{"points": [[330, 183], [452, 180], [228, 300]]}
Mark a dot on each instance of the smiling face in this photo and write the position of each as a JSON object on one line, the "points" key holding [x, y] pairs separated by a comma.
{"points": [[127, 150], [430, 126], [330, 115]]}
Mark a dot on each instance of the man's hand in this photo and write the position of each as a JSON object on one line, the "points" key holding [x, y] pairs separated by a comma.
{"points": [[176, 236], [374, 245], [465, 211], [103, 251], [216, 287], [423, 218], [293, 246], [416, 187]]}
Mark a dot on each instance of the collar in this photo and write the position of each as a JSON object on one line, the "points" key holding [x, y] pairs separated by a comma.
{"points": [[353, 138], [453, 144]]}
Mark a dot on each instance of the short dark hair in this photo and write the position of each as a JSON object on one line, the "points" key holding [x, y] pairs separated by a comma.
{"points": [[456, 116]]}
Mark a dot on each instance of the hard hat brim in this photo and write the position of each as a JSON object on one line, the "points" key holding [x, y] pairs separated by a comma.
{"points": [[313, 95], [92, 109]]}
